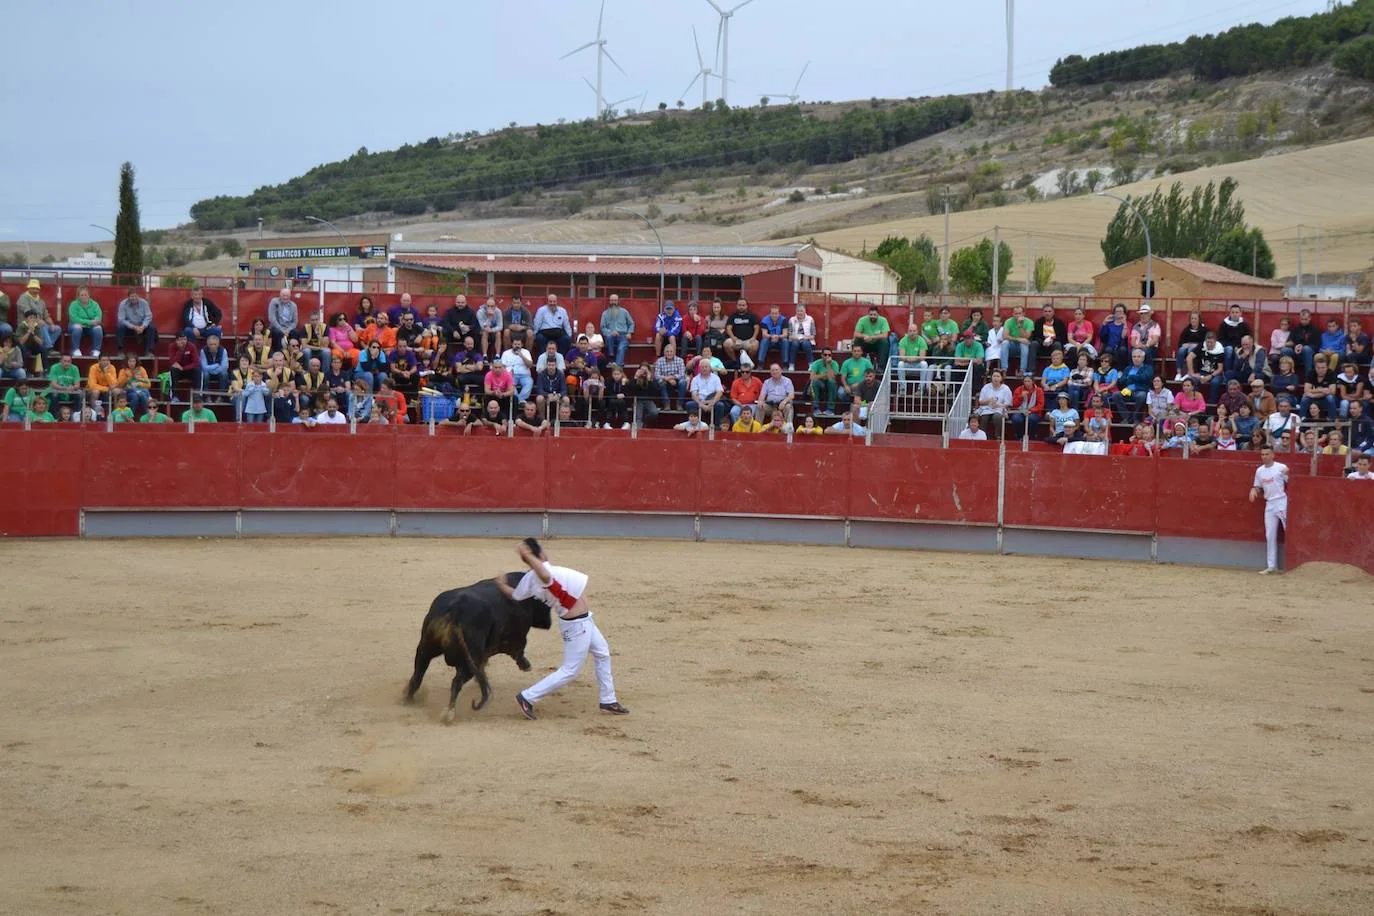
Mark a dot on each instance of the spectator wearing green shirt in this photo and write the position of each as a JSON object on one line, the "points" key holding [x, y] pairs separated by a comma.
{"points": [[199, 412], [944, 325], [1020, 334], [968, 357], [912, 350], [977, 325], [85, 316], [122, 412], [852, 374], [872, 332], [64, 383], [18, 401], [154, 414], [39, 412], [825, 374]]}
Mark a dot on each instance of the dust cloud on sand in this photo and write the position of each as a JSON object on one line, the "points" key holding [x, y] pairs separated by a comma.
{"points": [[215, 727]]}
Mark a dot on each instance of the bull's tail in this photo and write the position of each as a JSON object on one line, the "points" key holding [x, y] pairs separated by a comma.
{"points": [[447, 633]]}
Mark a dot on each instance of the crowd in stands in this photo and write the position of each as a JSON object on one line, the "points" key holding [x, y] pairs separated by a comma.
{"points": [[515, 366]]}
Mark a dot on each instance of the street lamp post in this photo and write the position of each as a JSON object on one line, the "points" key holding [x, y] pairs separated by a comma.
{"points": [[660, 248], [349, 267], [1149, 251]]}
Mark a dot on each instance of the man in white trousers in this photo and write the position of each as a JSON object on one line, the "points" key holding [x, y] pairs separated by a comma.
{"points": [[1271, 482], [562, 589]]}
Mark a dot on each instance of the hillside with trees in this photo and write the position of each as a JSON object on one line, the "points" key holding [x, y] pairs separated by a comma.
{"points": [[1297, 41], [439, 174]]}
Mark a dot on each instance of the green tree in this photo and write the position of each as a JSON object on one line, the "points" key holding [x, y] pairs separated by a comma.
{"points": [[1043, 274], [1242, 250], [1092, 180], [231, 247], [1356, 58], [916, 262], [970, 269], [210, 252], [128, 255], [1182, 225], [1032, 193], [176, 279]]}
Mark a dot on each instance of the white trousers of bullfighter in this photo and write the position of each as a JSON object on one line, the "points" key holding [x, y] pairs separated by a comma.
{"points": [[1275, 516], [580, 637]]}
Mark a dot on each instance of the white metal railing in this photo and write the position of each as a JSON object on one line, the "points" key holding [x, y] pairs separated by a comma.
{"points": [[960, 406], [881, 408], [923, 390]]}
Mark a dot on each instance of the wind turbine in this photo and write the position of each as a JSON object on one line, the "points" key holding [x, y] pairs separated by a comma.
{"points": [[793, 96], [723, 42], [704, 73], [601, 53]]}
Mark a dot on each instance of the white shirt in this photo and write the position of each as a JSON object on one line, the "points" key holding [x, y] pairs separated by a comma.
{"points": [[1273, 481], [565, 588], [967, 434], [514, 360], [336, 418], [802, 327], [1277, 423], [704, 387], [1358, 476], [1001, 397], [839, 430], [1085, 448]]}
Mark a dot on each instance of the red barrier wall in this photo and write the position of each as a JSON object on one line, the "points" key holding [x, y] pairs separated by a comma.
{"points": [[1332, 522], [56, 472]]}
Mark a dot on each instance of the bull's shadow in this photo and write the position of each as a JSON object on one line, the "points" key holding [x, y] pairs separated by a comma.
{"points": [[467, 626]]}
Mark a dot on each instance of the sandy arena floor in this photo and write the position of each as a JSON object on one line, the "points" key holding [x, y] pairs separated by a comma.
{"points": [[214, 727]]}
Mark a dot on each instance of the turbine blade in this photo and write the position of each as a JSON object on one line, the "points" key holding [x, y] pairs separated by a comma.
{"points": [[593, 89], [619, 101], [683, 93], [612, 60], [575, 50], [642, 99], [740, 6], [700, 64], [799, 76], [715, 7], [720, 31], [600, 17]]}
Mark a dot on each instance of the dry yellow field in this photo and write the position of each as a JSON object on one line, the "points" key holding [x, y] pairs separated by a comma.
{"points": [[1328, 188], [214, 727]]}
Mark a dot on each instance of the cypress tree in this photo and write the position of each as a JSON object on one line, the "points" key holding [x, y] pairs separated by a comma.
{"points": [[128, 258]]}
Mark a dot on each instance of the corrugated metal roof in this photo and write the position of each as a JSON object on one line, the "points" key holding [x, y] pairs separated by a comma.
{"points": [[583, 249], [602, 265]]}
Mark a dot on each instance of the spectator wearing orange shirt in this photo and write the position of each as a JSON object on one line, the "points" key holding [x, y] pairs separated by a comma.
{"points": [[135, 385], [102, 379], [744, 392], [381, 332], [392, 401]]}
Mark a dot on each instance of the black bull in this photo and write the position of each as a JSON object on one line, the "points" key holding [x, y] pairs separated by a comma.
{"points": [[467, 626]]}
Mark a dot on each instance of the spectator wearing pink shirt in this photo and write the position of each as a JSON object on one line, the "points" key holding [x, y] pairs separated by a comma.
{"points": [[1080, 334], [498, 384], [1189, 401]]}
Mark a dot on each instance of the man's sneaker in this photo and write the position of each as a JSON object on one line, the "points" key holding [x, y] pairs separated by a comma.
{"points": [[76, 354], [1269, 571], [605, 426], [614, 709], [526, 707], [95, 354], [624, 426]]}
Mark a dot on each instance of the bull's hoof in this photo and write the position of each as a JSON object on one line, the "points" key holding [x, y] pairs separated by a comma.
{"points": [[446, 717], [523, 663]]}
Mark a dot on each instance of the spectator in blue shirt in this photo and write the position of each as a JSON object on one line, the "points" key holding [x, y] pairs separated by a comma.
{"points": [[551, 323], [1137, 380], [774, 334], [1333, 342], [667, 328]]}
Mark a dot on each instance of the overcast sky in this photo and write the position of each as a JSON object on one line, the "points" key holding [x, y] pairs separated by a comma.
{"points": [[221, 98]]}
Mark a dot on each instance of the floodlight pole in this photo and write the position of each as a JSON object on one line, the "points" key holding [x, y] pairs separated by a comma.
{"points": [[1149, 250], [650, 224]]}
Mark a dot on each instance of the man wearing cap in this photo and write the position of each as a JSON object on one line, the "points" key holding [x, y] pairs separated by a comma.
{"points": [[744, 392], [30, 304], [667, 328], [135, 316], [1145, 335], [1262, 403], [871, 332], [968, 356]]}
